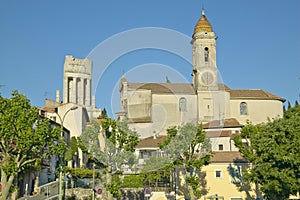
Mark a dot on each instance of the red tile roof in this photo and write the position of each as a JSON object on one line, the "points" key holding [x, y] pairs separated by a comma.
{"points": [[187, 88], [151, 142], [222, 133], [228, 157], [164, 88], [227, 123], [48, 109], [253, 94]]}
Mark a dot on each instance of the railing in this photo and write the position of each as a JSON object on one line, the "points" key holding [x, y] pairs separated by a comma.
{"points": [[48, 191]]}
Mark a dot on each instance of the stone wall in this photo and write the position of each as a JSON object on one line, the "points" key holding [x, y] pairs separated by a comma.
{"points": [[85, 194], [78, 194]]}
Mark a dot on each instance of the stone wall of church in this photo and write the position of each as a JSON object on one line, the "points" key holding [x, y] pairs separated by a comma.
{"points": [[139, 105], [213, 105], [165, 111], [257, 111]]}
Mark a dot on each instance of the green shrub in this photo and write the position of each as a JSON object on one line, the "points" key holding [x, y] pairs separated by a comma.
{"points": [[133, 181], [82, 172]]}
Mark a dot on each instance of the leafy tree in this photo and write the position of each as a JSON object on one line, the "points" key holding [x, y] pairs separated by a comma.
{"points": [[72, 152], [25, 138], [112, 143], [273, 149], [189, 148]]}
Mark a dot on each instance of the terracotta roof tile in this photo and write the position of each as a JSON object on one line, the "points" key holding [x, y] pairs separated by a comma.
{"points": [[223, 133], [48, 109], [187, 88], [228, 123], [228, 157], [164, 88], [151, 142], [254, 94]]}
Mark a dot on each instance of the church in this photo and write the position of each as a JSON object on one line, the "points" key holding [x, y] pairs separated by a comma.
{"points": [[153, 107]]}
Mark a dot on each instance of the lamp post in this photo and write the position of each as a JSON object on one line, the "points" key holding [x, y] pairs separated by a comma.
{"points": [[93, 191], [93, 154], [60, 191]]}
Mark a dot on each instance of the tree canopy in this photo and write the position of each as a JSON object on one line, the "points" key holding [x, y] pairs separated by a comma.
{"points": [[188, 147], [112, 143], [273, 149], [25, 138]]}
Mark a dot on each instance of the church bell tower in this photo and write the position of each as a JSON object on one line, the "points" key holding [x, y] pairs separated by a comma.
{"points": [[205, 72]]}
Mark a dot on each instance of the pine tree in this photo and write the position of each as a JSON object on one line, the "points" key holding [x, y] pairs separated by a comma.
{"points": [[103, 114], [296, 103], [289, 105], [167, 80]]}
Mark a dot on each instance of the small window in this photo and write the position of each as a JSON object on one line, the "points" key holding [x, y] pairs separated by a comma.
{"points": [[206, 54], [221, 147], [182, 104], [243, 108], [218, 174]]}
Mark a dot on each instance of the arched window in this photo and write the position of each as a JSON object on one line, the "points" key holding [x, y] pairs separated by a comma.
{"points": [[182, 104], [206, 54], [243, 108]]}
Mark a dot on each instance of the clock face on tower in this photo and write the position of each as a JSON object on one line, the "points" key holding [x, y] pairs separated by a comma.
{"points": [[207, 78]]}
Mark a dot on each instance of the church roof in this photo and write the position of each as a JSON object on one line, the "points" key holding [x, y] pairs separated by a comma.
{"points": [[203, 24], [253, 94], [164, 88], [187, 88]]}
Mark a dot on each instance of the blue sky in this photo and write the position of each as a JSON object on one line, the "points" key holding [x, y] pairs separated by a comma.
{"points": [[258, 44]]}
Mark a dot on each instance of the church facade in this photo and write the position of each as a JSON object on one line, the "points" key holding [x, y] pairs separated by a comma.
{"points": [[153, 107]]}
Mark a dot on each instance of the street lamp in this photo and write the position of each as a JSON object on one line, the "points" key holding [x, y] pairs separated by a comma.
{"points": [[60, 191], [93, 154]]}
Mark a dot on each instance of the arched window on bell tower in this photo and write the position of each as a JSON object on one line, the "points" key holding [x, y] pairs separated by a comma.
{"points": [[206, 54]]}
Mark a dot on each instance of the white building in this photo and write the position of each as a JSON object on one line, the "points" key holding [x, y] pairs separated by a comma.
{"points": [[153, 107], [78, 106]]}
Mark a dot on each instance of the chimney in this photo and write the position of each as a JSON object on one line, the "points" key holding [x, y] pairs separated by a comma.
{"points": [[154, 135], [57, 97]]}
